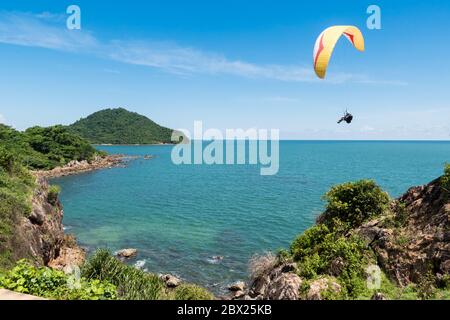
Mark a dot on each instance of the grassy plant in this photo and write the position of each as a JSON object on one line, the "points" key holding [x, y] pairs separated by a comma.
{"points": [[402, 239], [53, 193], [16, 186], [190, 292], [445, 180], [132, 284]]}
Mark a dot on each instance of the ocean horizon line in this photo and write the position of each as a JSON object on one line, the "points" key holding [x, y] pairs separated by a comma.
{"points": [[281, 140]]}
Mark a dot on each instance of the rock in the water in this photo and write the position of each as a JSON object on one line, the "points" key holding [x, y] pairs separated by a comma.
{"points": [[170, 280], [238, 286], [126, 253]]}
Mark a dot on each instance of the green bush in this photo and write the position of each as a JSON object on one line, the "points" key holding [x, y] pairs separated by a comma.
{"points": [[398, 218], [58, 145], [53, 193], [355, 202], [43, 148], [16, 186], [445, 282], [132, 284], [52, 284], [318, 248], [445, 180], [307, 243]]}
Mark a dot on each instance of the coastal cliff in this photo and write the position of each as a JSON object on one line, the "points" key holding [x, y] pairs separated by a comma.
{"points": [[39, 237], [30, 213], [401, 253]]}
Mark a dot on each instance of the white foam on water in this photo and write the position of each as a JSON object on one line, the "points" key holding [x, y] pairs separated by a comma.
{"points": [[212, 261], [215, 259], [140, 264]]}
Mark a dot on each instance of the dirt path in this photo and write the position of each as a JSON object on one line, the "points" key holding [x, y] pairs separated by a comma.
{"points": [[11, 295]]}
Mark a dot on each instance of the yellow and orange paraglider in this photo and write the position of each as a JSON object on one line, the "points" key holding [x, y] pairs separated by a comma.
{"points": [[326, 42]]}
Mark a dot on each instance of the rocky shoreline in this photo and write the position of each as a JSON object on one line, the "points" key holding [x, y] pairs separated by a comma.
{"points": [[77, 167]]}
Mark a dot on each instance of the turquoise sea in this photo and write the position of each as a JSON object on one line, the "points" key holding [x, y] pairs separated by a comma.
{"points": [[179, 217]]}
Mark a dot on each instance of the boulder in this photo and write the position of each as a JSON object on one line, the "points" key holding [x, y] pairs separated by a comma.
{"points": [[71, 257], [318, 287], [378, 296], [170, 280], [238, 294], [278, 283], [126, 253], [37, 216], [238, 286], [336, 267], [285, 287]]}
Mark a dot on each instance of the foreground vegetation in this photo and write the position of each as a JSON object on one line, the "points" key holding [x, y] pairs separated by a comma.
{"points": [[52, 284], [332, 249], [103, 277], [134, 284]]}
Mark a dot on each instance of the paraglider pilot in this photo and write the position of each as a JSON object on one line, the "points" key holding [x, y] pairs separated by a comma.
{"points": [[347, 117]]}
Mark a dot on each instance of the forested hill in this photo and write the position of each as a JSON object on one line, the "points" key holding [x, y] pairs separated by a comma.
{"points": [[120, 126]]}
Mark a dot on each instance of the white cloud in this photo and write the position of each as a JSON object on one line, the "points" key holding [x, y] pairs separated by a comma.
{"points": [[47, 30], [26, 29], [2, 119], [185, 60], [367, 129]]}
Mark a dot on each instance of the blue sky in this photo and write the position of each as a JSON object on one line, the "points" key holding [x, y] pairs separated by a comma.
{"points": [[231, 64]]}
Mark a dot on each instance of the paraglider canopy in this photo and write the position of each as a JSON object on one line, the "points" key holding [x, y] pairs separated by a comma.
{"points": [[348, 117], [326, 42]]}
